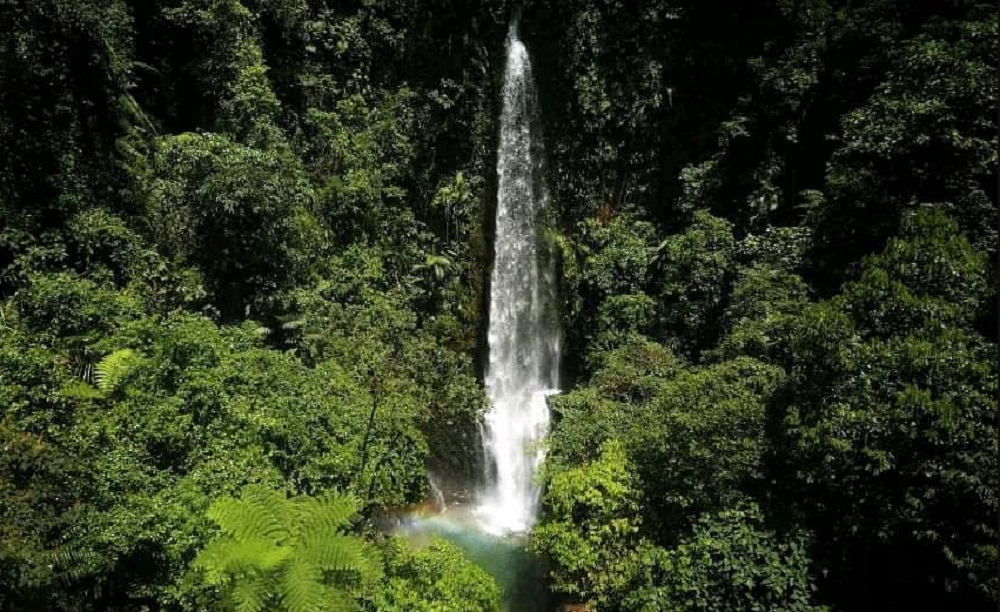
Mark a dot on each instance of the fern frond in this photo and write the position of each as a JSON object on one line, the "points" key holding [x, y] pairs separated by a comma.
{"points": [[73, 564], [279, 553], [251, 595], [225, 557], [338, 600], [334, 552], [343, 554], [371, 569], [111, 370], [328, 514], [79, 390], [301, 587], [257, 514]]}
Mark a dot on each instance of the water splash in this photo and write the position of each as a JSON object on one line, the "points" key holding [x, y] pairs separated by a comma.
{"points": [[523, 336]]}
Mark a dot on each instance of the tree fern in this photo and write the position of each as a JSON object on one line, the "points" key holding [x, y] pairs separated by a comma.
{"points": [[276, 553]]}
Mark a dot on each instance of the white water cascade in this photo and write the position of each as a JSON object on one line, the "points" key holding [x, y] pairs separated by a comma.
{"points": [[523, 336]]}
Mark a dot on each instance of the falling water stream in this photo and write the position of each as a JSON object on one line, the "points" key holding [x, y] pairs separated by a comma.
{"points": [[523, 330], [523, 346]]}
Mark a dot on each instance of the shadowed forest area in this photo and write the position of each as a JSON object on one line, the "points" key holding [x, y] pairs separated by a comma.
{"points": [[244, 264]]}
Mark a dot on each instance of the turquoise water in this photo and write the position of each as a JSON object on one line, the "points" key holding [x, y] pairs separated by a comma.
{"points": [[520, 573]]}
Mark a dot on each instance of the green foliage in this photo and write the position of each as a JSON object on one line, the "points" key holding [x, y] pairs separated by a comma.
{"points": [[614, 256], [456, 198], [785, 248], [620, 317], [250, 112], [362, 154], [636, 371], [927, 277], [698, 444], [241, 215], [582, 426], [628, 377], [910, 435], [204, 410], [42, 472], [763, 305], [685, 441], [605, 275], [695, 271], [892, 413], [698, 182], [731, 561], [590, 527], [65, 305], [63, 73], [413, 382], [434, 578], [150, 174], [925, 135], [100, 241], [285, 553]]}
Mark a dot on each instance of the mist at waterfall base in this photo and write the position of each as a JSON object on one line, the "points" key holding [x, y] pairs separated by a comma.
{"points": [[523, 346]]}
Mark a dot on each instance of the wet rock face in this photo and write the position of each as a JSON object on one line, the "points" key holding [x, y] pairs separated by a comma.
{"points": [[456, 461]]}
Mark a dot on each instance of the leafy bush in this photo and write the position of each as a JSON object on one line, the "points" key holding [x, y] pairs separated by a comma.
{"points": [[434, 578], [242, 216], [694, 271], [731, 561], [590, 527]]}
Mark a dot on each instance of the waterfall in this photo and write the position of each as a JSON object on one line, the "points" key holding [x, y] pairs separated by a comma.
{"points": [[439, 502], [523, 336]]}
